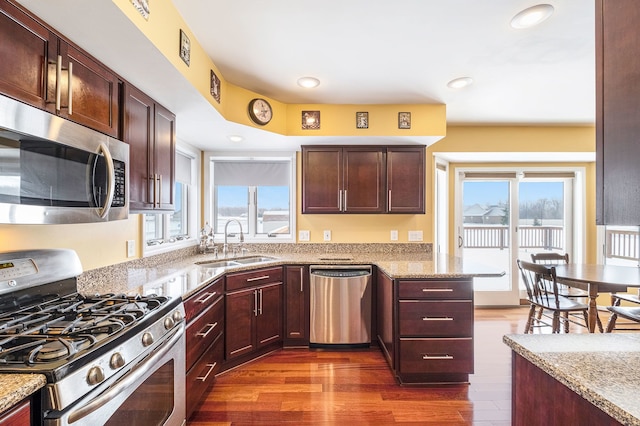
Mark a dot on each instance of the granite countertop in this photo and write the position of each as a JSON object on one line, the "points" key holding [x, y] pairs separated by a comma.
{"points": [[185, 276], [16, 387], [602, 368]]}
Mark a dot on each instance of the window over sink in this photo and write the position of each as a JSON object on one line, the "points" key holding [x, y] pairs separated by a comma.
{"points": [[256, 191]]}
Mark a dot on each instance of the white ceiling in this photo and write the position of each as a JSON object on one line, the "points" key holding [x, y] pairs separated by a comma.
{"points": [[363, 52]]}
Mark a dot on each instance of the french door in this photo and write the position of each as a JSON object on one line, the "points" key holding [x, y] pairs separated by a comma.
{"points": [[505, 216]]}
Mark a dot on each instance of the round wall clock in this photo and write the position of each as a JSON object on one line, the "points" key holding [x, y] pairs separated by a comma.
{"points": [[260, 111]]}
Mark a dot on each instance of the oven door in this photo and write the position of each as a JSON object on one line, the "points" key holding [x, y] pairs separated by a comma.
{"points": [[151, 393]]}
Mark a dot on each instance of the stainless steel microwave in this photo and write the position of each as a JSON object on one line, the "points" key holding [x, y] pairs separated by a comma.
{"points": [[55, 171]]}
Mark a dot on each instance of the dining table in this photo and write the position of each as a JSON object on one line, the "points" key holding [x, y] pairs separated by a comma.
{"points": [[596, 279]]}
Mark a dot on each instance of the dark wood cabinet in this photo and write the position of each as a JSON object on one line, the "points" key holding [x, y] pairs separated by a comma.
{"points": [[19, 415], [253, 313], [149, 129], [405, 179], [425, 328], [31, 54], [296, 307], [343, 180], [617, 112], [363, 179], [204, 313]]}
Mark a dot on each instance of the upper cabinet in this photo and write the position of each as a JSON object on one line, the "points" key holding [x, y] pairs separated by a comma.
{"points": [[149, 129], [617, 112], [42, 69], [362, 179], [405, 179]]}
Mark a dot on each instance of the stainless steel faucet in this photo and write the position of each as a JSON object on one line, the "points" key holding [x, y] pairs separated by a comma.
{"points": [[225, 247]]}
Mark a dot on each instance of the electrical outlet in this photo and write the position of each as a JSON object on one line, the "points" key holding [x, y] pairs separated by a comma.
{"points": [[415, 235], [327, 235], [303, 235], [394, 235], [131, 248]]}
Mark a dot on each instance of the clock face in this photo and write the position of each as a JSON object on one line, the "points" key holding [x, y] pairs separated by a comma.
{"points": [[260, 111]]}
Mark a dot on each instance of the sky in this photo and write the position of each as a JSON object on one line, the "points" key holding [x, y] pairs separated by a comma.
{"points": [[269, 197], [493, 192]]}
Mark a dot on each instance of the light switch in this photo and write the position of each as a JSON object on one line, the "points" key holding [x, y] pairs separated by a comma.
{"points": [[394, 235], [415, 235], [131, 248], [327, 235], [303, 235]]}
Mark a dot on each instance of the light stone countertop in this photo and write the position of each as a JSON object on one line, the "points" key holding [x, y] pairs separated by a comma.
{"points": [[16, 387], [183, 277], [602, 368]]}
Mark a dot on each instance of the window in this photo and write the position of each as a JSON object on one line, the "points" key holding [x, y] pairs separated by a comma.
{"points": [[622, 245], [257, 192], [169, 231]]}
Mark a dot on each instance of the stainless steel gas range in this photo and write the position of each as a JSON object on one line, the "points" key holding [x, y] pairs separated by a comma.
{"points": [[109, 359]]}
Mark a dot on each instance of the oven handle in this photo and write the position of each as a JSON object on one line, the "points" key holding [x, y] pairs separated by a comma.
{"points": [[127, 381]]}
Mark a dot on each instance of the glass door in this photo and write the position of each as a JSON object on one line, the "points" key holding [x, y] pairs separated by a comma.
{"points": [[485, 235], [508, 216]]}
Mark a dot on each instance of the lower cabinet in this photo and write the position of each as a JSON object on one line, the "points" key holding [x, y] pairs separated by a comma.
{"points": [[205, 340], [296, 306], [253, 313], [432, 339], [19, 415]]}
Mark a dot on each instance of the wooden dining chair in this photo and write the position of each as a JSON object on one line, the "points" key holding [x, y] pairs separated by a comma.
{"points": [[542, 293], [553, 258], [629, 313]]}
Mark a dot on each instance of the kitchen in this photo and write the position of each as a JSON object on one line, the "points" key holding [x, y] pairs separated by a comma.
{"points": [[346, 229]]}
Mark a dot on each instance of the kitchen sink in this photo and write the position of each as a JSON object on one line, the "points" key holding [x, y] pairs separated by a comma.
{"points": [[225, 263], [253, 259]]}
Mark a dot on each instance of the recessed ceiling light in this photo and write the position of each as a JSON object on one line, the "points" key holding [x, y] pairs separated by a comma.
{"points": [[532, 16], [235, 138], [308, 82], [459, 83]]}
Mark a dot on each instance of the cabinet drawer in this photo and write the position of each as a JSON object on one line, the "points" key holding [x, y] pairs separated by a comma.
{"points": [[436, 318], [202, 375], [195, 304], [436, 289], [204, 330], [453, 355], [254, 278]]}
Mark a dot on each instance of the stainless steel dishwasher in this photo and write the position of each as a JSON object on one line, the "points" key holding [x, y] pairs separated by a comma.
{"points": [[340, 306]]}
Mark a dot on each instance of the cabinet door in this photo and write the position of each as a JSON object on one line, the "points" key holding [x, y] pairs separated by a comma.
{"points": [[617, 112], [165, 157], [405, 180], [24, 54], [20, 415], [297, 304], [241, 311], [269, 320], [364, 180], [95, 92], [321, 180], [138, 133]]}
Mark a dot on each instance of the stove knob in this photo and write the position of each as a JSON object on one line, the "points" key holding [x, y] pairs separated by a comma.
{"points": [[116, 361], [169, 323], [95, 375], [147, 339], [177, 316]]}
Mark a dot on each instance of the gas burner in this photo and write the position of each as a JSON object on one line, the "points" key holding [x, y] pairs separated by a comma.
{"points": [[57, 349]]}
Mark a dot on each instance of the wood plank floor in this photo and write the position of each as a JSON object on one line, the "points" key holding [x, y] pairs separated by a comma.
{"points": [[309, 387]]}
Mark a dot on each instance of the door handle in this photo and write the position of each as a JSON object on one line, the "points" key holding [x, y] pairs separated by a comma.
{"points": [[70, 89], [460, 241]]}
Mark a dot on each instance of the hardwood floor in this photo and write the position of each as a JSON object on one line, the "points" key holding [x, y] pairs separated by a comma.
{"points": [[309, 387]]}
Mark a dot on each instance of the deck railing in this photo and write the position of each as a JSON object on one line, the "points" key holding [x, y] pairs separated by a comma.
{"points": [[544, 237], [622, 244]]}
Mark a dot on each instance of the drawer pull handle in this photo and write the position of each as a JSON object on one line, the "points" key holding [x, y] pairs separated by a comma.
{"points": [[439, 356], [263, 277], [206, 376], [210, 328], [437, 319], [437, 290], [207, 297]]}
